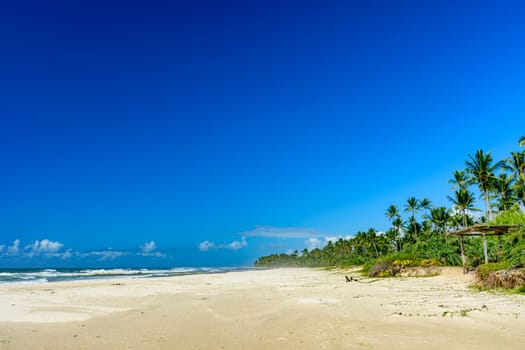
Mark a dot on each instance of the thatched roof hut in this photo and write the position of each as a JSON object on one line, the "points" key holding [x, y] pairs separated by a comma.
{"points": [[481, 230]]}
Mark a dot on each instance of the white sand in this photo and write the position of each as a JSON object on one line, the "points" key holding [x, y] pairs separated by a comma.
{"points": [[272, 309]]}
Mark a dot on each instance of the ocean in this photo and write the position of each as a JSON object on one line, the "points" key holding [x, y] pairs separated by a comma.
{"points": [[68, 274]]}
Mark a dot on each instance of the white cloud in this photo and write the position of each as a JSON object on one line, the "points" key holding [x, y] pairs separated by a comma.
{"points": [[155, 254], [109, 255], [148, 247], [234, 245], [148, 250], [334, 239], [281, 232], [43, 247], [67, 254], [206, 245], [318, 242], [52, 249], [313, 242], [104, 255], [15, 248]]}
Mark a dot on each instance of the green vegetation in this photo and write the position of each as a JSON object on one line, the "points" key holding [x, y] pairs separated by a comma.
{"points": [[502, 274], [485, 269], [420, 239], [513, 216]]}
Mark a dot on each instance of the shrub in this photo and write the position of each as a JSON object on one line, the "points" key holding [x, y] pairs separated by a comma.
{"points": [[514, 249], [438, 248], [483, 270], [397, 263], [382, 268], [513, 216]]}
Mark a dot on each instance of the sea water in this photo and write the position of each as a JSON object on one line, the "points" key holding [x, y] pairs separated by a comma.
{"points": [[66, 274]]}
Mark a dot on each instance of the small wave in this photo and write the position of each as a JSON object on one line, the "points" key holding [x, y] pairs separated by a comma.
{"points": [[25, 280], [184, 269], [53, 275], [6, 274], [106, 272], [36, 280]]}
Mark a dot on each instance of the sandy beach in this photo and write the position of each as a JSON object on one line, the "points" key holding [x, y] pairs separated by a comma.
{"points": [[267, 309]]}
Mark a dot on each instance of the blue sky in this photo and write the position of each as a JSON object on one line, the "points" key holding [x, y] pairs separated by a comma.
{"points": [[172, 133]]}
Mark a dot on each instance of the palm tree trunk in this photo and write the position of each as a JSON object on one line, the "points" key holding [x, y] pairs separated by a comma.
{"points": [[414, 225], [487, 206], [398, 239], [375, 248]]}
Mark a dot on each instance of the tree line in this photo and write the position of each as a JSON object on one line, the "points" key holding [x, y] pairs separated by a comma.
{"points": [[418, 228]]}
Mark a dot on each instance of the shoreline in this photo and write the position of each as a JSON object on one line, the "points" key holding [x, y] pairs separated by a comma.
{"points": [[289, 308], [45, 275]]}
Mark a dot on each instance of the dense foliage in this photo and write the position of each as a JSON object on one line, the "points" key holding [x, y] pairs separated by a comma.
{"points": [[420, 237]]}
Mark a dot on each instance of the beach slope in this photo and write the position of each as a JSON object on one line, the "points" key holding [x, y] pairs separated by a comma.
{"points": [[264, 309]]}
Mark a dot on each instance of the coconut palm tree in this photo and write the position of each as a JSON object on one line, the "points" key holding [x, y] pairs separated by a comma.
{"points": [[412, 206], [425, 204], [482, 168], [516, 164], [344, 248], [397, 225], [504, 190], [412, 230], [392, 212], [426, 228], [359, 243], [383, 243], [456, 221], [371, 239], [440, 217], [463, 201], [459, 179], [391, 237], [519, 187], [522, 141]]}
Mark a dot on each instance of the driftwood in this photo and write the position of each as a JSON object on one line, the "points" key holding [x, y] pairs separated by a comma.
{"points": [[351, 279]]}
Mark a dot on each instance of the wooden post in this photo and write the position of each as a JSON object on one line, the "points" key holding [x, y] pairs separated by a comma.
{"points": [[463, 259], [500, 247], [485, 248]]}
